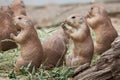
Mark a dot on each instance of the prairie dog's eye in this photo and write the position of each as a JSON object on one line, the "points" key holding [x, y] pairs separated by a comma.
{"points": [[19, 18], [92, 8], [73, 17]]}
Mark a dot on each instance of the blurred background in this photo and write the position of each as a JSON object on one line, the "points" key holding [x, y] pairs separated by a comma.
{"points": [[44, 2], [49, 13]]}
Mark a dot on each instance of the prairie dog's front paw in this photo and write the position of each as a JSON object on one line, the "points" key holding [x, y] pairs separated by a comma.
{"points": [[12, 35], [68, 60], [70, 29], [75, 62]]}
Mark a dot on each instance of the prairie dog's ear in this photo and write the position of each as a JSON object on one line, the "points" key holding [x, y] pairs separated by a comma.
{"points": [[29, 23], [81, 20], [26, 21]]}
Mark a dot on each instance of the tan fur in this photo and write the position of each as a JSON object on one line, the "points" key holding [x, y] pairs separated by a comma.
{"points": [[55, 48], [83, 44], [6, 27], [18, 7], [7, 10], [101, 24], [31, 48]]}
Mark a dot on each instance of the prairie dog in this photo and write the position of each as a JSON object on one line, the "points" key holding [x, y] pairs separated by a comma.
{"points": [[6, 24], [6, 27], [79, 32], [101, 24], [55, 48], [31, 48]]}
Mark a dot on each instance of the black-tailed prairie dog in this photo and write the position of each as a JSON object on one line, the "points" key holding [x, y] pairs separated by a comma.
{"points": [[101, 24], [31, 48], [55, 48], [83, 49], [6, 27], [18, 7]]}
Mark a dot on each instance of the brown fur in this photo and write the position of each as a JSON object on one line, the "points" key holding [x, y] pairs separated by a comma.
{"points": [[18, 7], [31, 48], [55, 48], [6, 27], [101, 24], [7, 10], [83, 44]]}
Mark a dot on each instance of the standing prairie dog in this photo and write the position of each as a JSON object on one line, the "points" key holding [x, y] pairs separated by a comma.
{"points": [[83, 44], [55, 48], [18, 7], [105, 33], [31, 48]]}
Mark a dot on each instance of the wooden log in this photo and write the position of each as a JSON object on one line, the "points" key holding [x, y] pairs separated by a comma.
{"points": [[106, 68]]}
